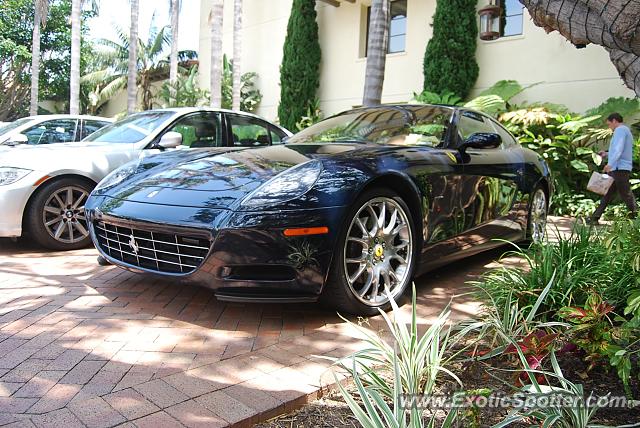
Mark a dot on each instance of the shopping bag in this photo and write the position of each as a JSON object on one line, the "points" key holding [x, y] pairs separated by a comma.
{"points": [[599, 183]]}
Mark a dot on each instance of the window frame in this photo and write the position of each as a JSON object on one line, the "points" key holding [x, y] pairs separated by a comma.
{"points": [[267, 126], [44, 123], [83, 126], [154, 143], [506, 18], [367, 23]]}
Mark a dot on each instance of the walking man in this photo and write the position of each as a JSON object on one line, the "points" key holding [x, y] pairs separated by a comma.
{"points": [[619, 166]]}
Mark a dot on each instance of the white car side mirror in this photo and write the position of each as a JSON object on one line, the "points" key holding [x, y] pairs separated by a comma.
{"points": [[170, 140], [18, 139]]}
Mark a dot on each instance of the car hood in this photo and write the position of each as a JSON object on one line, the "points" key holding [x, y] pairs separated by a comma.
{"points": [[60, 155], [205, 178]]}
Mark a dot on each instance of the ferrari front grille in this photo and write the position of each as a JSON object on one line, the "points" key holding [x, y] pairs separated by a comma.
{"points": [[161, 252]]}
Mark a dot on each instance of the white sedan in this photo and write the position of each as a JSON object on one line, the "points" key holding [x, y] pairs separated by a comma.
{"points": [[43, 188], [51, 128]]}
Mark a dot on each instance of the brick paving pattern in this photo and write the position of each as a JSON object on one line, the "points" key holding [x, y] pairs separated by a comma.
{"points": [[89, 346]]}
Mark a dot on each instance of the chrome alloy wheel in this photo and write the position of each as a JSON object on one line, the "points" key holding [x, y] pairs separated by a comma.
{"points": [[64, 217], [538, 216], [378, 253]]}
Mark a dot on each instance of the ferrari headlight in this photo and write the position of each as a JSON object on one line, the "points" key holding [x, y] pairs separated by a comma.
{"points": [[287, 185], [9, 175], [117, 176]]}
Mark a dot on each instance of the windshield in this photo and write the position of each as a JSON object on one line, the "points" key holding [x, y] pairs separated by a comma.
{"points": [[407, 125], [13, 125], [132, 129]]}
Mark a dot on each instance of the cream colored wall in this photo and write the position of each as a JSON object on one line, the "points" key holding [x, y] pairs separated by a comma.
{"points": [[264, 30], [578, 78], [117, 106]]}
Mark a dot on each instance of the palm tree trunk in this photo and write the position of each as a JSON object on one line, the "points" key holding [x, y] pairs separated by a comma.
{"points": [[74, 90], [612, 25], [132, 93], [215, 20], [40, 18], [35, 65], [173, 57], [376, 52], [237, 55]]}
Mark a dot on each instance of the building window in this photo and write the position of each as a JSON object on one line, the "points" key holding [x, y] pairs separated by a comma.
{"points": [[512, 18], [397, 27]]}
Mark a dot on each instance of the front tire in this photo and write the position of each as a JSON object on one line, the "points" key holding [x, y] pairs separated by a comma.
{"points": [[55, 217], [538, 213], [375, 255]]}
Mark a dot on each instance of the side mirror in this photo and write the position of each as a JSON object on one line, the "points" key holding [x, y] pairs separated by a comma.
{"points": [[482, 140], [170, 140], [18, 139]]}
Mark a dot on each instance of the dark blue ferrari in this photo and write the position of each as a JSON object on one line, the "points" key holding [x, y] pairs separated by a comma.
{"points": [[347, 211]]}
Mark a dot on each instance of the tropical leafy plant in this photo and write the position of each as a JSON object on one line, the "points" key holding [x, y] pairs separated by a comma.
{"points": [[250, 95], [112, 57], [592, 329], [421, 359], [313, 116], [185, 92], [446, 98], [578, 415]]}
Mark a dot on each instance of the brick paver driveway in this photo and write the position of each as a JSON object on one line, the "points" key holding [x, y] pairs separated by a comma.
{"points": [[84, 345]]}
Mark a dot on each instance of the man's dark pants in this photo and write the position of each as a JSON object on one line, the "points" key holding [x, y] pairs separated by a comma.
{"points": [[623, 187]]}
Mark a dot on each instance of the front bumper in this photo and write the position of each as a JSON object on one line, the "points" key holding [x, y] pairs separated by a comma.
{"points": [[13, 200], [250, 258]]}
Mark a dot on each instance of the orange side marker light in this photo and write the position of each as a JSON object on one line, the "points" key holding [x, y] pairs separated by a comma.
{"points": [[303, 231], [41, 180]]}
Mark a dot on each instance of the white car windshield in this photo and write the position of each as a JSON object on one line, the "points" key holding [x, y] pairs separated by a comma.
{"points": [[5, 129], [132, 129]]}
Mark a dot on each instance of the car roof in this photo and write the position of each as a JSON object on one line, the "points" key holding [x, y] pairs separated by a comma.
{"points": [[194, 109], [184, 110], [68, 116]]}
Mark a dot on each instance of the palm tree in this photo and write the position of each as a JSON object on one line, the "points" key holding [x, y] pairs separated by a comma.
{"points": [[215, 21], [112, 73], [40, 19], [173, 58], [237, 54], [376, 52], [74, 90], [132, 66]]}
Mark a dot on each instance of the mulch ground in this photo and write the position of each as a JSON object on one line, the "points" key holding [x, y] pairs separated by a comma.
{"points": [[332, 411]]}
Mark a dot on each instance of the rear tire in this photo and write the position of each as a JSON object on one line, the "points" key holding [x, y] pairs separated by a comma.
{"points": [[55, 217], [376, 252]]}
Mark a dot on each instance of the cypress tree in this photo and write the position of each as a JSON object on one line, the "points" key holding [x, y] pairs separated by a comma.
{"points": [[450, 59], [300, 69]]}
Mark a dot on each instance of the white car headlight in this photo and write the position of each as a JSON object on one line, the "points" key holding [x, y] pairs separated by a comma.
{"points": [[9, 175], [116, 176], [285, 186]]}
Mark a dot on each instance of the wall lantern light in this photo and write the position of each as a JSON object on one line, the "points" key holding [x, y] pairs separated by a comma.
{"points": [[490, 21]]}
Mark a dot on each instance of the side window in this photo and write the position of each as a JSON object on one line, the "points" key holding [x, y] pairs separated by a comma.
{"points": [[91, 126], [277, 136], [199, 130], [471, 123], [248, 132], [52, 131]]}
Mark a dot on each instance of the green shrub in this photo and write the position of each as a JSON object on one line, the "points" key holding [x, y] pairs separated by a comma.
{"points": [[450, 58], [299, 72], [586, 261]]}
